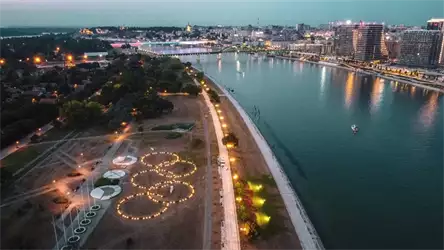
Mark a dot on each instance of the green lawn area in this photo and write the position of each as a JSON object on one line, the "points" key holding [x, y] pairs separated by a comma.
{"points": [[184, 126], [18, 159]]}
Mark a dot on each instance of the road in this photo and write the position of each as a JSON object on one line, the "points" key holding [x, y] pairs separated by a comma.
{"points": [[230, 228], [23, 142], [209, 187]]}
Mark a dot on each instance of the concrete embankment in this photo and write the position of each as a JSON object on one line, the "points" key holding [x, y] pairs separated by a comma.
{"points": [[419, 85], [302, 224]]}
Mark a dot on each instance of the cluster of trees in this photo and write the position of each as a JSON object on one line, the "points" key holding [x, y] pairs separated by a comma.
{"points": [[81, 114], [33, 31], [45, 46], [24, 120]]}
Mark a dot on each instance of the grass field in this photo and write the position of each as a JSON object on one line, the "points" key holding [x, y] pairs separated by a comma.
{"points": [[20, 158]]}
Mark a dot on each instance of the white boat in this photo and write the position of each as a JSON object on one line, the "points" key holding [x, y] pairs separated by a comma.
{"points": [[354, 128]]}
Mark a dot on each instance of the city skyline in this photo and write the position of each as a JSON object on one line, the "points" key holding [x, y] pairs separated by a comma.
{"points": [[172, 13]]}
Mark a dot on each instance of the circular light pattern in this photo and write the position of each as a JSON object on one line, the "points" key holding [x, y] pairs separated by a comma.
{"points": [[106, 192], [170, 174], [151, 192], [125, 160], [175, 156], [114, 174]]}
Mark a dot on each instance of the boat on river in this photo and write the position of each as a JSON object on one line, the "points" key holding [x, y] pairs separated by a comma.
{"points": [[354, 128]]}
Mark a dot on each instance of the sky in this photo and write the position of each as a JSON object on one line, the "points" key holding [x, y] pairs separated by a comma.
{"points": [[86, 13]]}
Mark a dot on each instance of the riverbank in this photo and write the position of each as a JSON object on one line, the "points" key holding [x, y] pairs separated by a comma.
{"points": [[366, 73], [300, 232]]}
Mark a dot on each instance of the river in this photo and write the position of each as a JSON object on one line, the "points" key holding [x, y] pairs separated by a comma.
{"points": [[379, 189]]}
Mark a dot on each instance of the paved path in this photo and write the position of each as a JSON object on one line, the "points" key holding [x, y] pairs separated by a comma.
{"points": [[304, 228], [83, 194], [230, 230], [23, 142], [209, 187]]}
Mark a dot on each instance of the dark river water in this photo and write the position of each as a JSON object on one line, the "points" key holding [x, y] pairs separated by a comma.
{"points": [[381, 188]]}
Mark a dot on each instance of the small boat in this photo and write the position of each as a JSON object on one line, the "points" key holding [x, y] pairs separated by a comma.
{"points": [[354, 128]]}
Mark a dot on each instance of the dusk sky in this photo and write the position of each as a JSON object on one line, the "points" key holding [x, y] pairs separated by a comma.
{"points": [[212, 12]]}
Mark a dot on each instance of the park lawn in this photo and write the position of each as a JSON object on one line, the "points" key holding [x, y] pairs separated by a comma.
{"points": [[19, 158]]}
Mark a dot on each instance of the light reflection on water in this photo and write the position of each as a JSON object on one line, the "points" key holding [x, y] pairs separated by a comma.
{"points": [[382, 180]]}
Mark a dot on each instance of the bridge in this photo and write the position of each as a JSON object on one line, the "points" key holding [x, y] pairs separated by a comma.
{"points": [[293, 52]]}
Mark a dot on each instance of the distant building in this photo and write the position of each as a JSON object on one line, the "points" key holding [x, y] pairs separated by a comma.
{"points": [[344, 40], [188, 28], [369, 44], [393, 48], [420, 48], [438, 24]]}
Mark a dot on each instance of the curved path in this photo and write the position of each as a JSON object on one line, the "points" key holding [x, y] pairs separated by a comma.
{"points": [[230, 230], [304, 228]]}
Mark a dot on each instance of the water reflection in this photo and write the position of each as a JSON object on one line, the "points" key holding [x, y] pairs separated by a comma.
{"points": [[349, 89], [428, 112], [323, 76], [219, 65], [377, 95]]}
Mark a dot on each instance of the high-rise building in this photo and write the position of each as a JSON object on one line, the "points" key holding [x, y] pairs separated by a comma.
{"points": [[420, 48], [438, 24], [369, 42], [344, 40]]}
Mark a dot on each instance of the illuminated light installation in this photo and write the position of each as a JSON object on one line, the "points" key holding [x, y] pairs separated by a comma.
{"points": [[175, 156], [150, 192], [124, 160]]}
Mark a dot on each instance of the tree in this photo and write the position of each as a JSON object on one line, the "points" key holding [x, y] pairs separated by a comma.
{"points": [[214, 96], [188, 64], [199, 76], [230, 139], [81, 114], [192, 89]]}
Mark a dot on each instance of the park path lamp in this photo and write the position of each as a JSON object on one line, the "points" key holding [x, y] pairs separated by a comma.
{"points": [[2, 61], [37, 60]]}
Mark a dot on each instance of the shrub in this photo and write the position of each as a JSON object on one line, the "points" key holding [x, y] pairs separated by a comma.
{"points": [[173, 135], [105, 181], [197, 143], [230, 139]]}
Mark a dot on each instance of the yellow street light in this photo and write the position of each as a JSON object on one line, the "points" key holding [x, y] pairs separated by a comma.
{"points": [[2, 61], [17, 142], [217, 105], [69, 57], [224, 125], [221, 117], [85, 56], [232, 159], [37, 59], [219, 111], [235, 177], [207, 89], [239, 199]]}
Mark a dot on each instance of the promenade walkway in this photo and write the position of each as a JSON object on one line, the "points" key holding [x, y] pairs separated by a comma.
{"points": [[302, 224], [230, 228]]}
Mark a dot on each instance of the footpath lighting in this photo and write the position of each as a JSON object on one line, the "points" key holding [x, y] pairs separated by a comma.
{"points": [[207, 89], [238, 199], [69, 57], [2, 61], [235, 176], [219, 111], [216, 105], [85, 57], [232, 159], [224, 125], [37, 60], [17, 142], [221, 117]]}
